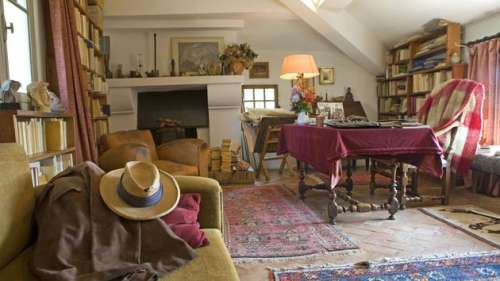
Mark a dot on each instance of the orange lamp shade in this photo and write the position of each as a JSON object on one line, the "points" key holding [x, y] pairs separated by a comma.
{"points": [[296, 65]]}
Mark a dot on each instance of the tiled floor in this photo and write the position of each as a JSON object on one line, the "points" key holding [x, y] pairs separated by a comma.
{"points": [[411, 234]]}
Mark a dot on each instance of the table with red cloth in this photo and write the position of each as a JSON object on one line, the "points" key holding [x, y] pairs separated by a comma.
{"points": [[324, 147]]}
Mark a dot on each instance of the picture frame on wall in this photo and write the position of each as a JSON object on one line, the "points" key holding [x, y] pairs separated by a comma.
{"points": [[259, 70], [326, 75], [194, 55]]}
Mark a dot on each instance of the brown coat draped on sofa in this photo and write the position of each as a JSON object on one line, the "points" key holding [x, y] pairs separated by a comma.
{"points": [[80, 238]]}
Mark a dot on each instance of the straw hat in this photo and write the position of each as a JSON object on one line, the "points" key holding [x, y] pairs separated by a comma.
{"points": [[139, 191]]}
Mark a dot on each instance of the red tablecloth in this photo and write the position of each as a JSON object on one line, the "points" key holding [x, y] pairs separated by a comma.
{"points": [[323, 148]]}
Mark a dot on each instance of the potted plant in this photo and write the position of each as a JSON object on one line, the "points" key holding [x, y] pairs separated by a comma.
{"points": [[303, 102], [238, 57]]}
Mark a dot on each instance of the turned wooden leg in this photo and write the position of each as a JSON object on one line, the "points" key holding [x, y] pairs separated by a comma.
{"points": [[373, 184], [414, 182], [393, 204], [332, 205], [348, 183], [448, 182], [403, 176], [302, 185]]}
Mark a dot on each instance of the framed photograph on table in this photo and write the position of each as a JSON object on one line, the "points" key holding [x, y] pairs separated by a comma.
{"points": [[326, 75], [259, 70], [333, 110], [192, 54]]}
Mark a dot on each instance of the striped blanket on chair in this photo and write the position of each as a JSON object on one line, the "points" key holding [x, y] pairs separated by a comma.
{"points": [[454, 111]]}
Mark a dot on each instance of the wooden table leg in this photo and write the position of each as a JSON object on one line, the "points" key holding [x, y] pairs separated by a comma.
{"points": [[332, 204], [403, 177], [348, 182], [302, 175], [393, 203]]}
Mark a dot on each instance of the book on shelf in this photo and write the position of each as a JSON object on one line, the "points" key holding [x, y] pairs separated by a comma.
{"points": [[100, 128], [429, 62], [38, 135], [96, 14], [42, 171], [395, 70], [396, 88], [31, 135], [97, 108], [423, 82], [84, 52], [431, 44], [56, 134]]}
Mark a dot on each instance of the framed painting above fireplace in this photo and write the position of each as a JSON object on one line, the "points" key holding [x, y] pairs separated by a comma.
{"points": [[193, 55]]}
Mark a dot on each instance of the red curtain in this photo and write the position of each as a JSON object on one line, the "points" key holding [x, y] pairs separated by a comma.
{"points": [[484, 60], [67, 74]]}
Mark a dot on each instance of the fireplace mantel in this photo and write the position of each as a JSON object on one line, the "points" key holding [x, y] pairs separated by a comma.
{"points": [[223, 93], [174, 81]]}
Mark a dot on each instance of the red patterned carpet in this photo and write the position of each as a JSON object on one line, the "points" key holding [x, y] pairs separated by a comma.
{"points": [[271, 222]]}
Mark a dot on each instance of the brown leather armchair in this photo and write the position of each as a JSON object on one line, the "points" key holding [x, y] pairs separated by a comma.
{"points": [[187, 157]]}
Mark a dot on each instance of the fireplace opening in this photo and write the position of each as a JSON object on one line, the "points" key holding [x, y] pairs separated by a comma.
{"points": [[173, 115]]}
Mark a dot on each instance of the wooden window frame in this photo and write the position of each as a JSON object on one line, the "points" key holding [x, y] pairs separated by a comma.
{"points": [[259, 86]]}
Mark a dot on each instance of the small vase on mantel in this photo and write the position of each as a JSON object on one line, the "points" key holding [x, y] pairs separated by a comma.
{"points": [[237, 67], [302, 118]]}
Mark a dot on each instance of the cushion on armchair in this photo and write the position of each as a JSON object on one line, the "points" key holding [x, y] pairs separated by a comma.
{"points": [[183, 220]]}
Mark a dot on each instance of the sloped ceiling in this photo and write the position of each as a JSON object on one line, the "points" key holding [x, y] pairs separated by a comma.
{"points": [[391, 20], [360, 28]]}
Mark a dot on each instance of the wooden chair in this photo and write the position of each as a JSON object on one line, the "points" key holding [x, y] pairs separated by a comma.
{"points": [[444, 104], [267, 142]]}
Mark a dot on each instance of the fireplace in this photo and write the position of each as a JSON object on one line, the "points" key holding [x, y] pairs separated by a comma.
{"points": [[185, 111]]}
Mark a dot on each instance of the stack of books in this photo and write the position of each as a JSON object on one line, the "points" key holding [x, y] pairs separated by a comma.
{"points": [[215, 156], [427, 81], [31, 135], [397, 88], [395, 70], [42, 171], [225, 165], [431, 44]]}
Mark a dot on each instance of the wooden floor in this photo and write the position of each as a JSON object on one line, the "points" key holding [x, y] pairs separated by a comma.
{"points": [[412, 234]]}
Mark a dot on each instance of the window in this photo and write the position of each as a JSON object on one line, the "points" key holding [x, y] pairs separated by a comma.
{"points": [[16, 41], [260, 96]]}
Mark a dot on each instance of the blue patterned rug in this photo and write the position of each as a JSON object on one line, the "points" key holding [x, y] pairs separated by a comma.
{"points": [[471, 267]]}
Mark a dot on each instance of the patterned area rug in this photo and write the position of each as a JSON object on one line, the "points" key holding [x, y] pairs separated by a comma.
{"points": [[480, 223], [472, 267], [272, 222]]}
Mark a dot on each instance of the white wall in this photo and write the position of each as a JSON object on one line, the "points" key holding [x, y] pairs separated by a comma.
{"points": [[479, 29], [485, 27], [272, 39]]}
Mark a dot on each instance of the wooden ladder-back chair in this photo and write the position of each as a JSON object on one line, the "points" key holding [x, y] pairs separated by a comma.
{"points": [[454, 111], [268, 136]]}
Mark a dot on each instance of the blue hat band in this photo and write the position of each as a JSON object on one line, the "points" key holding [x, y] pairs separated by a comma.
{"points": [[136, 201]]}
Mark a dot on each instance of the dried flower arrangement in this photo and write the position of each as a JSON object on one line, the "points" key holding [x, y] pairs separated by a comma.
{"points": [[238, 57]]}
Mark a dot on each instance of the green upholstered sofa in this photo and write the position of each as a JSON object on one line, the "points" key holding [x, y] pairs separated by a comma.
{"points": [[17, 201]]}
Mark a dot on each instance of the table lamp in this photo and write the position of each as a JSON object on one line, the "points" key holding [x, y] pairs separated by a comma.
{"points": [[299, 67]]}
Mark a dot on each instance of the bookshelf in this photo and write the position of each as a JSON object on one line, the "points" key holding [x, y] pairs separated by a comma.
{"points": [[416, 67], [89, 27], [47, 138]]}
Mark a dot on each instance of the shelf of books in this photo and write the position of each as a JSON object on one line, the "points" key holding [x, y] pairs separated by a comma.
{"points": [[47, 138], [89, 22], [415, 67]]}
